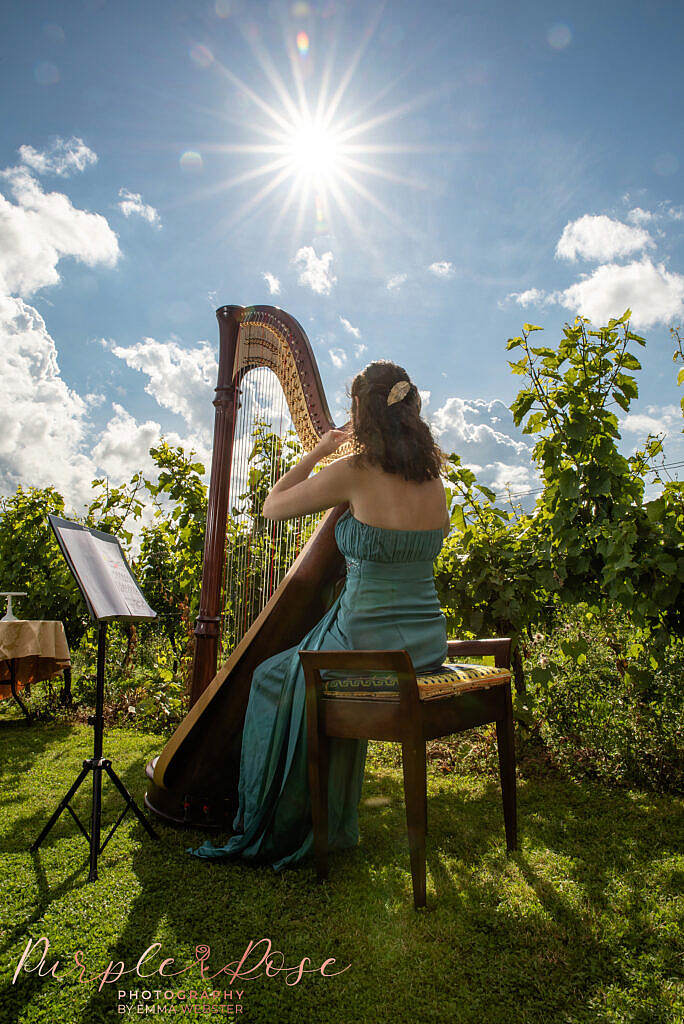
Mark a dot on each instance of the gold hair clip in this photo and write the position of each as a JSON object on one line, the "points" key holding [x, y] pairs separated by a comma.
{"points": [[398, 391]]}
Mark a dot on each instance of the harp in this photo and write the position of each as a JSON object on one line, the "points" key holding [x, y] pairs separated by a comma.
{"points": [[264, 584]]}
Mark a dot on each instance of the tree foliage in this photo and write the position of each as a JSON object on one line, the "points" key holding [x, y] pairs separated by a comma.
{"points": [[591, 520], [591, 537], [169, 565], [30, 560]]}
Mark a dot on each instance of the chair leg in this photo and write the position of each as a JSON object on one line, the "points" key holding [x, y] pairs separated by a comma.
{"points": [[318, 746], [415, 795], [506, 748], [425, 816]]}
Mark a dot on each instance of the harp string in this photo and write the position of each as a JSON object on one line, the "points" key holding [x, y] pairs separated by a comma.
{"points": [[258, 552]]}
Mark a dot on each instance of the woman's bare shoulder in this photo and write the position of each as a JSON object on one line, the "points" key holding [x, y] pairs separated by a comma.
{"points": [[344, 466], [385, 499]]}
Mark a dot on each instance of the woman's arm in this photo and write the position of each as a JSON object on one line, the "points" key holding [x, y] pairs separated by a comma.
{"points": [[297, 493]]}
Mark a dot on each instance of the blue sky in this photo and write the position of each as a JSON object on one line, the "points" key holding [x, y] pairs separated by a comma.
{"points": [[512, 163]]}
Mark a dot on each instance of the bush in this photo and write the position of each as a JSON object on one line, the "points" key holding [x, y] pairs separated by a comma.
{"points": [[607, 700]]}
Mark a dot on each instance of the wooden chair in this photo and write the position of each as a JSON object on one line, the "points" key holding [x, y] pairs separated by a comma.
{"points": [[408, 709]]}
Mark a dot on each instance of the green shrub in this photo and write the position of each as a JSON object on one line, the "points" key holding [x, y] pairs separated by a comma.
{"points": [[607, 700]]}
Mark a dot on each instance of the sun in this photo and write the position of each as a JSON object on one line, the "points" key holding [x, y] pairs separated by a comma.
{"points": [[310, 153], [315, 150]]}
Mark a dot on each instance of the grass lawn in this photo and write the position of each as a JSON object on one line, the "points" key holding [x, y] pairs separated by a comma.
{"points": [[581, 924]]}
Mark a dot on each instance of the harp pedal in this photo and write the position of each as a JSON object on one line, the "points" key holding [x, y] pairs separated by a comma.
{"points": [[199, 811], [188, 817]]}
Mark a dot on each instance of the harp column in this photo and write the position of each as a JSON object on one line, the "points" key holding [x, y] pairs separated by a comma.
{"points": [[208, 620]]}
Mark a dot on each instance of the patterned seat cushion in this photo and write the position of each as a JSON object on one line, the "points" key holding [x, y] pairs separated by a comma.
{"points": [[449, 680]]}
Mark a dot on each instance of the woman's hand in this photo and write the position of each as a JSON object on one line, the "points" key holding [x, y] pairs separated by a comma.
{"points": [[331, 441], [295, 494]]}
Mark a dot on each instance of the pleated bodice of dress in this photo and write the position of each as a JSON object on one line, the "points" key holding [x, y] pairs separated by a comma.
{"points": [[389, 600]]}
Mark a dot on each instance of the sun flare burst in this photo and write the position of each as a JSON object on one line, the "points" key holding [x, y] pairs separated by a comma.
{"points": [[309, 153]]}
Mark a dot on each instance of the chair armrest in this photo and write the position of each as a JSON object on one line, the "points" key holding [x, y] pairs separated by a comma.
{"points": [[499, 646]]}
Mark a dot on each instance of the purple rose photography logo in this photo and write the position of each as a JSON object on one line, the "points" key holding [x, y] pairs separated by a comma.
{"points": [[143, 987]]}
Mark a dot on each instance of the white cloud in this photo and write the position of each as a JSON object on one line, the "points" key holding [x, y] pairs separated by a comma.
{"points": [[63, 157], [396, 281], [41, 229], [443, 268], [48, 437], [272, 282], [654, 294], [179, 379], [359, 349], [124, 445], [639, 216], [531, 297], [44, 421], [666, 419], [600, 238], [315, 271], [348, 327], [501, 475], [465, 427], [338, 357], [132, 205], [664, 210]]}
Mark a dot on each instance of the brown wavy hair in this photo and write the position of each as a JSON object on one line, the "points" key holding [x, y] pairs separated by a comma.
{"points": [[394, 437]]}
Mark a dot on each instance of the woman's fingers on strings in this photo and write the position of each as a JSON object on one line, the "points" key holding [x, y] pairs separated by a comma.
{"points": [[333, 439]]}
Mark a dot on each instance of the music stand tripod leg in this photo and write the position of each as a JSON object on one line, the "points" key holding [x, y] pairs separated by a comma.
{"points": [[62, 806], [98, 724], [97, 763], [107, 765]]}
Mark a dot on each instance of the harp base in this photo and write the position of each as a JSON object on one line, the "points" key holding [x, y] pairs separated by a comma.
{"points": [[188, 810]]}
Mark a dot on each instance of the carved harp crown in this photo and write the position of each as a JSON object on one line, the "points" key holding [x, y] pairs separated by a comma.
{"points": [[246, 614]]}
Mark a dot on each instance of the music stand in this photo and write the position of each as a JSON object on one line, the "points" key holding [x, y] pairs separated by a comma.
{"points": [[104, 578]]}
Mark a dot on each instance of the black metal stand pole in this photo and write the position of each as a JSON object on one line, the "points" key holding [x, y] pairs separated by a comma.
{"points": [[96, 809], [97, 764]]}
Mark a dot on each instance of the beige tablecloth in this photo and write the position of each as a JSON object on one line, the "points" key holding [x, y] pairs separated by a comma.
{"points": [[40, 649]]}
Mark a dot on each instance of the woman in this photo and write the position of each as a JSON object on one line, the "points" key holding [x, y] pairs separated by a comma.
{"points": [[390, 536]]}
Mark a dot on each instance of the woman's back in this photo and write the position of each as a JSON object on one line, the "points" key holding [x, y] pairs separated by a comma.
{"points": [[388, 500]]}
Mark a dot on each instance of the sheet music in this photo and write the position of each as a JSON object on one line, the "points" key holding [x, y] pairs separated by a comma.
{"points": [[102, 574], [124, 583]]}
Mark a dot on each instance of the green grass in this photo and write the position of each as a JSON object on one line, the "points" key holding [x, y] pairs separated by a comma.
{"points": [[580, 925]]}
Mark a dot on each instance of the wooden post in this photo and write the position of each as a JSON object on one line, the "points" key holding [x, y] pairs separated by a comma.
{"points": [[207, 624]]}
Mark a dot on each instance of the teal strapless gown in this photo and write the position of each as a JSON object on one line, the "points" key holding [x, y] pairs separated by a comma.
{"points": [[388, 602]]}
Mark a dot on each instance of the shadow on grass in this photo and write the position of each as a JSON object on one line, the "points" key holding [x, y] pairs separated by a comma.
{"points": [[599, 836], [22, 742], [518, 936], [20, 761]]}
